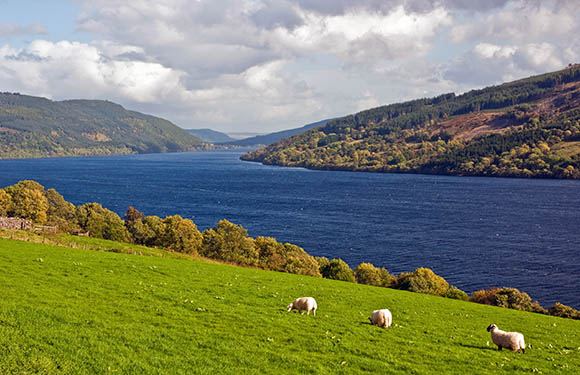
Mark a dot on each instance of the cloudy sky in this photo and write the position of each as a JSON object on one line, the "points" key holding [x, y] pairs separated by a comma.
{"points": [[268, 65]]}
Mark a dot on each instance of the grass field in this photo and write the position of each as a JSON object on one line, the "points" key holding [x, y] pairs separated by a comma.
{"points": [[75, 311]]}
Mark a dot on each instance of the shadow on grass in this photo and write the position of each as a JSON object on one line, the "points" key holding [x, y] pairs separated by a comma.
{"points": [[477, 347]]}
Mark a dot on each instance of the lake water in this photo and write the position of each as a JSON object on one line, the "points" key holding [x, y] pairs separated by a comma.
{"points": [[475, 232]]}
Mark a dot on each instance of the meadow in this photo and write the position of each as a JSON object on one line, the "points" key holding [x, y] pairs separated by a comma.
{"points": [[76, 311]]}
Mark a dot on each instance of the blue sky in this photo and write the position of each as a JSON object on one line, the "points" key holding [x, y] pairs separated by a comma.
{"points": [[268, 65]]}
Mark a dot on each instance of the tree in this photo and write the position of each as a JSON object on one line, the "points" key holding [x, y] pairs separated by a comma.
{"points": [[286, 257], [422, 280], [181, 235], [151, 233], [367, 273], [229, 242], [337, 269], [132, 215], [455, 293], [5, 203], [101, 222], [29, 204], [60, 213], [563, 311]]}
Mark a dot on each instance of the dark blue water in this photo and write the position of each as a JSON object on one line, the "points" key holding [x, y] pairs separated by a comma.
{"points": [[475, 232]]}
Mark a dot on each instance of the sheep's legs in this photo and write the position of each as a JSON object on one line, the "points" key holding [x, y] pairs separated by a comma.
{"points": [[499, 347]]}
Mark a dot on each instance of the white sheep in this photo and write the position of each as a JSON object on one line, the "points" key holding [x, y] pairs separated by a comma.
{"points": [[381, 318], [303, 303], [508, 340]]}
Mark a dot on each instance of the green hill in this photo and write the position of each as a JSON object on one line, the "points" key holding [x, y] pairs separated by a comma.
{"points": [[267, 139], [73, 311], [209, 135], [526, 128], [37, 127]]}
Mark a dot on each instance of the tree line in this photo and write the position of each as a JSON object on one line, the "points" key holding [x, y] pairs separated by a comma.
{"points": [[230, 243], [533, 130]]}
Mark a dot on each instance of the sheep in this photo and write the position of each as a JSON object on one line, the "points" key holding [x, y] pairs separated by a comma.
{"points": [[303, 303], [508, 340], [381, 318]]}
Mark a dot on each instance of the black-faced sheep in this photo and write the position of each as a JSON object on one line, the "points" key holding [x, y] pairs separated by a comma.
{"points": [[381, 318], [508, 340], [303, 303]]}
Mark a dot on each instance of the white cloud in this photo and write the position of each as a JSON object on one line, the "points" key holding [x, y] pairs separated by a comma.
{"points": [[266, 65], [522, 21], [488, 63]]}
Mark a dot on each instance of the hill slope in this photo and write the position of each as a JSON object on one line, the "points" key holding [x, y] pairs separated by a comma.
{"points": [[526, 128], [37, 127], [72, 311], [211, 136], [267, 139]]}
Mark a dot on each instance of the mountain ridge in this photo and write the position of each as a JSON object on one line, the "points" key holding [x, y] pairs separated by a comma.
{"points": [[526, 128], [33, 126]]}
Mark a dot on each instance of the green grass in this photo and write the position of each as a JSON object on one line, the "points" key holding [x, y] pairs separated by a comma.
{"points": [[75, 311]]}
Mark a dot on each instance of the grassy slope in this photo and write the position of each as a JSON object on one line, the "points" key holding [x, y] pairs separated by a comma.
{"points": [[76, 311]]}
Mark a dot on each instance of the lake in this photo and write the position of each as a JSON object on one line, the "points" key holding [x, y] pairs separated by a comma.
{"points": [[476, 232]]}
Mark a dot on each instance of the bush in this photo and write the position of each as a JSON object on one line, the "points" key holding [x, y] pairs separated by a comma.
{"points": [[322, 262], [337, 269], [563, 311], [455, 293], [367, 273], [181, 235], [5, 203], [422, 280], [510, 298], [229, 242], [484, 296], [285, 257], [101, 223]]}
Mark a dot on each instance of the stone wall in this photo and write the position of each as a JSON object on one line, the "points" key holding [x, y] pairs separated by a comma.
{"points": [[15, 223]]}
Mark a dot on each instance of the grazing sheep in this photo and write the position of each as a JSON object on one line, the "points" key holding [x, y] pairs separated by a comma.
{"points": [[508, 340], [303, 303], [381, 318]]}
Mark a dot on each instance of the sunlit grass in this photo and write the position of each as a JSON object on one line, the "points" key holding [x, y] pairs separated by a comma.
{"points": [[75, 311]]}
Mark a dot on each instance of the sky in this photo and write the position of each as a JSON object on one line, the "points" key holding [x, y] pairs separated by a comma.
{"points": [[267, 65]]}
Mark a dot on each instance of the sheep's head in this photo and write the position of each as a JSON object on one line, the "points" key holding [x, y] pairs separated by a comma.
{"points": [[491, 326], [290, 306], [370, 320]]}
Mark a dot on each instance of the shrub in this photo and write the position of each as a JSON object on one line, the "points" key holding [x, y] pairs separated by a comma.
{"points": [[563, 311], [484, 296], [5, 203], [337, 269], [181, 235], [229, 242], [285, 257], [101, 222], [322, 262], [510, 298], [367, 273], [455, 293], [60, 213], [422, 280]]}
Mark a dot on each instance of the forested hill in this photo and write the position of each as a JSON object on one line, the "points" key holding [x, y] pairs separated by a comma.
{"points": [[526, 128], [267, 139], [211, 136], [37, 127]]}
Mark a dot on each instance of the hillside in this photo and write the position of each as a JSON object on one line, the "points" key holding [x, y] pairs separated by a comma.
{"points": [[526, 128], [37, 127], [267, 139], [73, 311], [211, 136]]}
